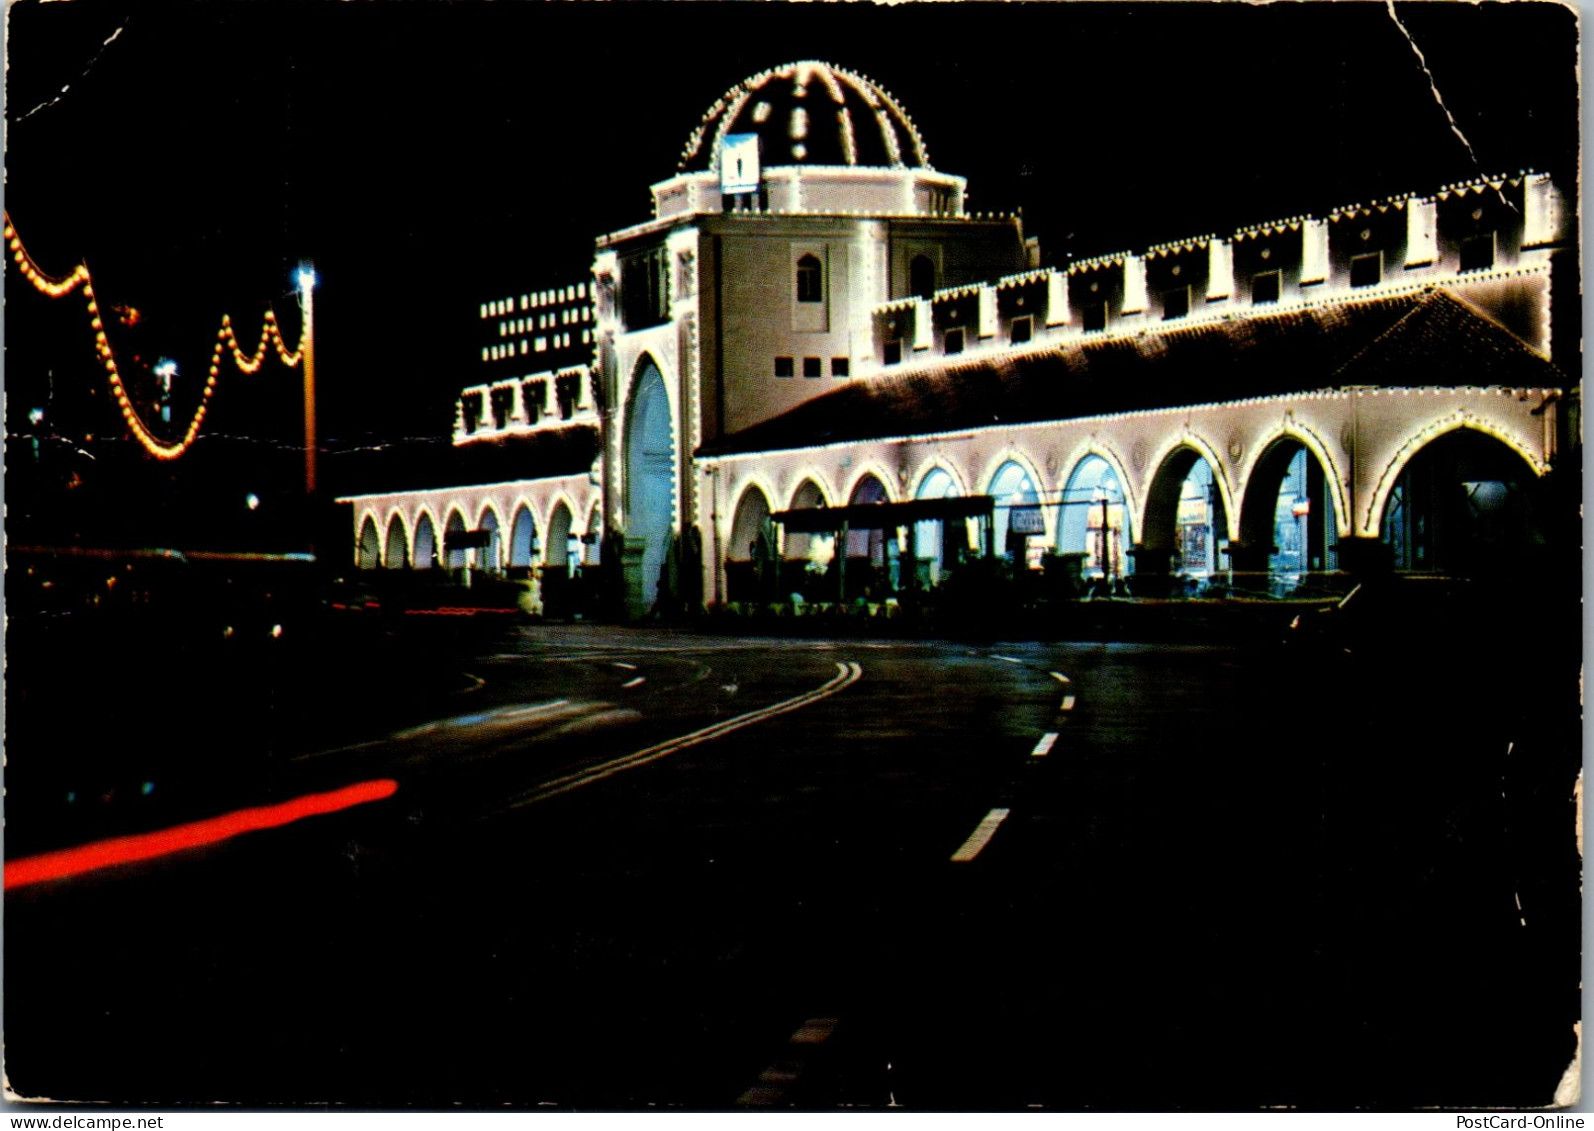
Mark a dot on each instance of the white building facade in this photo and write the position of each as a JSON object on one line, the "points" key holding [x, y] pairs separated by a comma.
{"points": [[812, 319]]}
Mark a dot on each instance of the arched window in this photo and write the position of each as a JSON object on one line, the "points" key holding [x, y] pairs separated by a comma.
{"points": [[921, 276], [810, 279]]}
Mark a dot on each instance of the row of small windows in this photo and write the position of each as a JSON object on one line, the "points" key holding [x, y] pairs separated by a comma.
{"points": [[546, 321], [813, 367], [534, 345], [503, 306]]}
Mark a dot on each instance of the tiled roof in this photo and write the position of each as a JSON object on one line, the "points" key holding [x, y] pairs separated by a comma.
{"points": [[1425, 339]]}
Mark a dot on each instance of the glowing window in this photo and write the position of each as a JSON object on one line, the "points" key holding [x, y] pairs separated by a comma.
{"points": [[785, 367], [1366, 270], [1265, 287], [810, 280], [954, 342], [813, 367], [841, 367], [1023, 330]]}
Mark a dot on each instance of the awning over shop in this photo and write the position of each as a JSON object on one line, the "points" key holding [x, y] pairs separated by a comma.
{"points": [[883, 516]]}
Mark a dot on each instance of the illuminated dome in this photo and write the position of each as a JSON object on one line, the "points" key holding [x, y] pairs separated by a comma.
{"points": [[809, 113]]}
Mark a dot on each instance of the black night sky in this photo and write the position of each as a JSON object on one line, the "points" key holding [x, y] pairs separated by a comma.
{"points": [[427, 156]]}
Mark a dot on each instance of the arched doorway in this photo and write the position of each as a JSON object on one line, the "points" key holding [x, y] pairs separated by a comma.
{"points": [[750, 559], [1094, 521], [454, 555], [1463, 506], [592, 542], [425, 543], [1186, 527], [807, 558], [489, 558], [649, 486], [1018, 530], [396, 555], [938, 545], [556, 567], [522, 541], [871, 563], [368, 554], [1287, 524]]}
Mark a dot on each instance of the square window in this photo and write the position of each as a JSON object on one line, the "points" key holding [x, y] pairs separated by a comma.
{"points": [[1477, 253], [1265, 287], [813, 367], [892, 353], [954, 342], [841, 367], [1175, 303], [1023, 330], [785, 367], [1367, 270], [1094, 317]]}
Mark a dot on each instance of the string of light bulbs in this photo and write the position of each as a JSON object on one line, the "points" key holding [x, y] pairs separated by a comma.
{"points": [[226, 339]]}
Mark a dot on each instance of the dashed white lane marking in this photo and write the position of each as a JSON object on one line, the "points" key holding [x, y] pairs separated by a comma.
{"points": [[774, 1080], [1060, 677], [980, 837], [1068, 703], [846, 674], [1005, 659], [1044, 746], [635, 682], [623, 664]]}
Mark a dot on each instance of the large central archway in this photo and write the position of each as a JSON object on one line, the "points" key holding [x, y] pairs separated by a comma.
{"points": [[649, 483]]}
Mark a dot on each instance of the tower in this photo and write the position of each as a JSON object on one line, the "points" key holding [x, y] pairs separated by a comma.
{"points": [[802, 200]]}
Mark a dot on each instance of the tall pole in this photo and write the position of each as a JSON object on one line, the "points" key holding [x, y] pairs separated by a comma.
{"points": [[307, 304]]}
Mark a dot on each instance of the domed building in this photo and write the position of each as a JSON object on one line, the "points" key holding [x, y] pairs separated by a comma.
{"points": [[813, 372], [805, 200]]}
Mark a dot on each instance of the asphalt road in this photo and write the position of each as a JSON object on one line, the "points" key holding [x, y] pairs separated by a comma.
{"points": [[626, 868]]}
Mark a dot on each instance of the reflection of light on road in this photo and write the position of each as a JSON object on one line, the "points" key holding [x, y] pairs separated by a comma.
{"points": [[846, 674], [1068, 702], [637, 682], [1060, 677], [196, 834], [1044, 746]]}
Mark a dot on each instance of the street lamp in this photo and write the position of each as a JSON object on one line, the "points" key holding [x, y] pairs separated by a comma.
{"points": [[306, 280]]}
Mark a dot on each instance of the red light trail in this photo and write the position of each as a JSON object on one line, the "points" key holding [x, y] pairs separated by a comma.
{"points": [[196, 834]]}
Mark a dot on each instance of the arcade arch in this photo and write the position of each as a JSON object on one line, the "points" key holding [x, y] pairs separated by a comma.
{"points": [[1095, 520], [368, 555], [1186, 522], [396, 553], [649, 477], [1288, 522], [425, 542], [1462, 504], [522, 539], [454, 555]]}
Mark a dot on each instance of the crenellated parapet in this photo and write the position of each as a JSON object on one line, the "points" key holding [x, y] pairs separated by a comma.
{"points": [[537, 402], [1490, 241]]}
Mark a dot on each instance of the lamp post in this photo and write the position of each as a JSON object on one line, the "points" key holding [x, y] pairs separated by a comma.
{"points": [[307, 305]]}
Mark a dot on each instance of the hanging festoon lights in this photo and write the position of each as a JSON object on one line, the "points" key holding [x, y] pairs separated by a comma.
{"points": [[79, 277]]}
